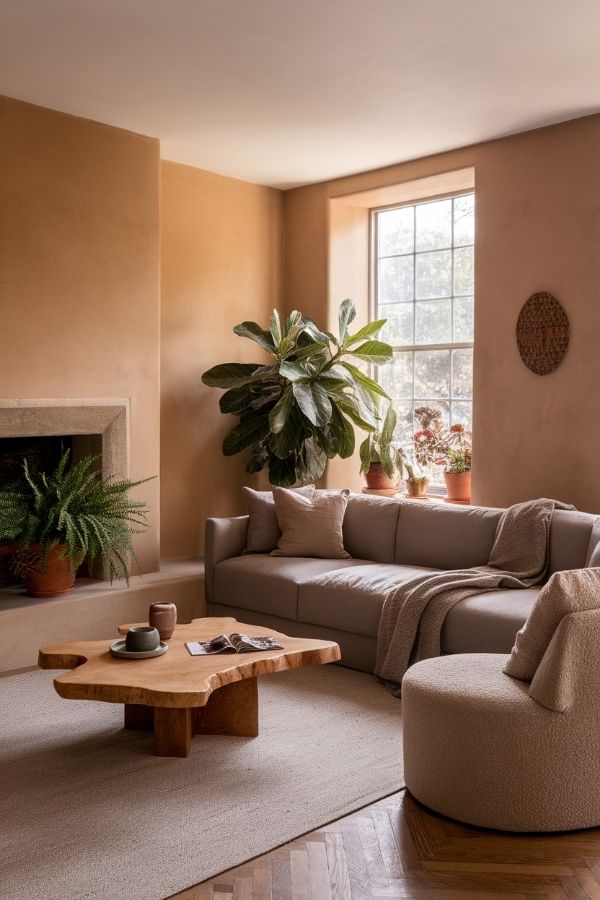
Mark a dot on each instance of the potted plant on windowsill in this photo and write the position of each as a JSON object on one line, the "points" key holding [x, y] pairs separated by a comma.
{"points": [[379, 458], [450, 447], [416, 485], [57, 519], [457, 473]]}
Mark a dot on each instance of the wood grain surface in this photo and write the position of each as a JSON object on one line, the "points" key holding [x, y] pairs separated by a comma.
{"points": [[175, 680], [397, 848]]}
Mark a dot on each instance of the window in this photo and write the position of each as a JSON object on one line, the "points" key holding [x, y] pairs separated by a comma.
{"points": [[423, 286]]}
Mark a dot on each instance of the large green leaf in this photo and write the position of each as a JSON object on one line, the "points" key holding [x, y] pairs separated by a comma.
{"points": [[255, 333], [365, 455], [386, 460], [230, 375], [349, 405], [314, 348], [347, 314], [344, 432], [315, 333], [249, 432], [283, 472], [389, 426], [368, 330], [296, 371], [368, 383], [312, 462], [236, 400], [293, 434], [275, 328], [312, 399], [280, 412], [258, 459], [373, 351]]}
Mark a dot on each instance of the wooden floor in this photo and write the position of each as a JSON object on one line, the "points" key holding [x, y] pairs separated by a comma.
{"points": [[395, 848]]}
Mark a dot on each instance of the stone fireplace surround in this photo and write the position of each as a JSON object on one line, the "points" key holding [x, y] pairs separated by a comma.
{"points": [[95, 608], [108, 418]]}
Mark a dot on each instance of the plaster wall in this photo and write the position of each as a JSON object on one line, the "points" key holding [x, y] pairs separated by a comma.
{"points": [[537, 229], [79, 283], [221, 265]]}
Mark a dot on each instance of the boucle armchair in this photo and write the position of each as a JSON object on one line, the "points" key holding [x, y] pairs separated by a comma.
{"points": [[480, 747]]}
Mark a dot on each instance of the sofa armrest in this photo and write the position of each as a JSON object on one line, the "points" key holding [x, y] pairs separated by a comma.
{"points": [[223, 539]]}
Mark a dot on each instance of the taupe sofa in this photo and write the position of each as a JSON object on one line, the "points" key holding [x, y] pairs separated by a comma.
{"points": [[389, 541]]}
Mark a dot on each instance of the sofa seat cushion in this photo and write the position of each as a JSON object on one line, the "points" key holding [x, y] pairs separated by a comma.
{"points": [[269, 584], [351, 599], [487, 623]]}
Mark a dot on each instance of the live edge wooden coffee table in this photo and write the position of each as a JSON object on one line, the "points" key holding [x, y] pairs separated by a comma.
{"points": [[178, 695]]}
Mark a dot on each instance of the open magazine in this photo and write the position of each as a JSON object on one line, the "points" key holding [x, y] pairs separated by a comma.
{"points": [[232, 643]]}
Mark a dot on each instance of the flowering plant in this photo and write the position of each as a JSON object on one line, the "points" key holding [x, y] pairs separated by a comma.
{"points": [[439, 445]]}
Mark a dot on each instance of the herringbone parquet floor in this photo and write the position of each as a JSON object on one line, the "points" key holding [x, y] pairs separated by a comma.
{"points": [[395, 848]]}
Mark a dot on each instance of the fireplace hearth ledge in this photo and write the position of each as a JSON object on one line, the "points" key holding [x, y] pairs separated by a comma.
{"points": [[93, 610]]}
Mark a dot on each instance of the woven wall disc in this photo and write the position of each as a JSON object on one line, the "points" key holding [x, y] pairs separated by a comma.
{"points": [[542, 333]]}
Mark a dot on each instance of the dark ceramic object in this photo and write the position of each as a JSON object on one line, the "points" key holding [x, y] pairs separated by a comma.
{"points": [[163, 616], [141, 638]]}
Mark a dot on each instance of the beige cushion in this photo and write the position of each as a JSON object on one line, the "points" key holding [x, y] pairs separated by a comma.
{"points": [[566, 592], [370, 527], [263, 530], [311, 526], [445, 536], [268, 584], [351, 599]]}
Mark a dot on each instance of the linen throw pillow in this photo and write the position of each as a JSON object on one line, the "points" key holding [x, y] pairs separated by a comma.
{"points": [[311, 526], [566, 592], [263, 530]]}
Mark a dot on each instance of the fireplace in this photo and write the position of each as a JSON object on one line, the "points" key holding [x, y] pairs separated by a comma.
{"points": [[90, 426]]}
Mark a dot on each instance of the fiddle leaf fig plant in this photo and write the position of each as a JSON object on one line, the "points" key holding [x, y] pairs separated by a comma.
{"points": [[299, 409]]}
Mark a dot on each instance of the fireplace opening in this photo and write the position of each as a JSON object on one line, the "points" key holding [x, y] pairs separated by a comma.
{"points": [[43, 453]]}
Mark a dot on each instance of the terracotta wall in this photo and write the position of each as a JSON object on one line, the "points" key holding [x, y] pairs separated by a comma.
{"points": [[537, 228], [221, 264], [79, 273]]}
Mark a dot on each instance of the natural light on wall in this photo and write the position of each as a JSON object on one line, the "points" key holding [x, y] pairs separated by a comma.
{"points": [[423, 285]]}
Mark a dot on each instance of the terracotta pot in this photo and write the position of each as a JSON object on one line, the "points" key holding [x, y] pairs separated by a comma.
{"points": [[417, 489], [377, 480], [52, 578], [163, 616], [458, 485]]}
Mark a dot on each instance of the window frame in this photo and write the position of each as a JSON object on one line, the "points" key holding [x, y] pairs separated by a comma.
{"points": [[373, 287]]}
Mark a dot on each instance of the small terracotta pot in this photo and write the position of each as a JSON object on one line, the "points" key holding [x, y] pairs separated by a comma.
{"points": [[377, 480], [163, 617], [50, 578], [417, 489], [458, 485]]}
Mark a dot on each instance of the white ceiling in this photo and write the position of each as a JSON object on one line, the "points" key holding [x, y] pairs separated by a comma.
{"points": [[286, 92]]}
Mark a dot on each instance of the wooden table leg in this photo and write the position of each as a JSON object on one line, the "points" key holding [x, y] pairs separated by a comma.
{"points": [[138, 717], [231, 709], [172, 731]]}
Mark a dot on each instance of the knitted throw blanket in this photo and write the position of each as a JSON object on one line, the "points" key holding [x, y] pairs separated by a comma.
{"points": [[413, 614]]}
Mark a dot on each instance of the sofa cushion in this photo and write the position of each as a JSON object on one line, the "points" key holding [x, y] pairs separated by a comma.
{"points": [[351, 599], [269, 584], [311, 526], [487, 623], [570, 535], [263, 528], [370, 527], [445, 536]]}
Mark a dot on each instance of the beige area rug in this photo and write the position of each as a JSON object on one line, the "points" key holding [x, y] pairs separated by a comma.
{"points": [[87, 811]]}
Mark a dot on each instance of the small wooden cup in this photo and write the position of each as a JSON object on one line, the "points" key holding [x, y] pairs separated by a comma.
{"points": [[163, 616]]}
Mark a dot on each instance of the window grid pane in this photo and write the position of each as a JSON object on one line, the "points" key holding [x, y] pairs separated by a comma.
{"points": [[424, 286]]}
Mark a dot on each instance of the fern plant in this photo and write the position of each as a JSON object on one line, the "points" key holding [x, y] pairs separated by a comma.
{"points": [[77, 510]]}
